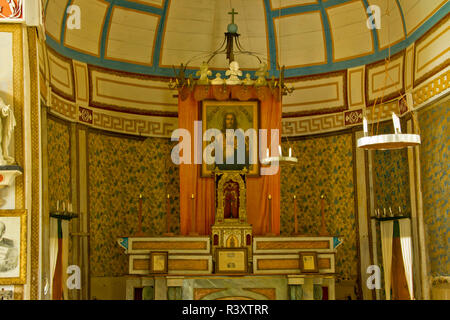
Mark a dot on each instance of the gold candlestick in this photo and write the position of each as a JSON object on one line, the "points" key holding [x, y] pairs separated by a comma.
{"points": [[323, 229], [168, 233], [270, 217], [295, 217], [193, 230], [139, 232]]}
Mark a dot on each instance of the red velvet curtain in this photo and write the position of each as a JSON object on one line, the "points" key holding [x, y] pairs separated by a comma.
{"points": [[258, 188]]}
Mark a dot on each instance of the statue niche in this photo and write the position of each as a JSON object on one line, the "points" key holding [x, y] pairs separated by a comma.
{"points": [[231, 200], [231, 229]]}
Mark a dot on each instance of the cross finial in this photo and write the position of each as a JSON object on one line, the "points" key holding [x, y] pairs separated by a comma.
{"points": [[232, 15]]}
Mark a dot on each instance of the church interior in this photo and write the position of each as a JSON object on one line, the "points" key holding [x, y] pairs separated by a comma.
{"points": [[224, 149]]}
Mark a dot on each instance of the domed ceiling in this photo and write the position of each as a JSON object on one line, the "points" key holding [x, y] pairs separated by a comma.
{"points": [[307, 36]]}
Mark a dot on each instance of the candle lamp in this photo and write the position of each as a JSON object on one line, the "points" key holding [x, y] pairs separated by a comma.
{"points": [[365, 127], [63, 214]]}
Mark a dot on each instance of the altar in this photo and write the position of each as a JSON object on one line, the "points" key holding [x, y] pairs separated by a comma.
{"points": [[230, 263], [274, 272]]}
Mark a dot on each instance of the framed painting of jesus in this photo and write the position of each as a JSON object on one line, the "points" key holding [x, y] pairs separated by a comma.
{"points": [[230, 129]]}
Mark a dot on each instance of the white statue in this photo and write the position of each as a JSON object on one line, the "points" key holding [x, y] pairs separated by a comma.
{"points": [[218, 80], [7, 123], [204, 72], [234, 73], [261, 73]]}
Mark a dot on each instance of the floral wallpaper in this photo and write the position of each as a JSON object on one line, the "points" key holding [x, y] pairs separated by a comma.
{"points": [[120, 169], [434, 123], [325, 167], [391, 176], [59, 184], [59, 170]]}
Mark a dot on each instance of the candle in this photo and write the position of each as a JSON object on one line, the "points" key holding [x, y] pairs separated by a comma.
{"points": [[390, 212], [279, 149], [57, 205], [193, 222], [365, 127], [267, 153], [168, 214], [384, 212], [270, 214], [63, 206], [396, 121], [295, 215], [69, 207], [290, 152]]}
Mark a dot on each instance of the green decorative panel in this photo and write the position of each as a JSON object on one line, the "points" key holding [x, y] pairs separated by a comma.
{"points": [[121, 168], [296, 292], [148, 293], [325, 167], [434, 125]]}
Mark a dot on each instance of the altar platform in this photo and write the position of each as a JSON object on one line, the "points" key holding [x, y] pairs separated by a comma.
{"points": [[273, 269]]}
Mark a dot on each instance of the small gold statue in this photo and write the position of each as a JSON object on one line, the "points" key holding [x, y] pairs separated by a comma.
{"points": [[204, 72], [262, 73]]}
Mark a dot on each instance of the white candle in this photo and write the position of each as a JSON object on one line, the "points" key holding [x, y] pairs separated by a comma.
{"points": [[365, 126], [279, 149], [384, 212], [396, 121], [57, 205], [64, 206], [267, 153], [290, 152], [390, 212]]}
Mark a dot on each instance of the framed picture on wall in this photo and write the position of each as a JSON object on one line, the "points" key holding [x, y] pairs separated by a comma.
{"points": [[159, 262], [308, 262], [233, 115], [231, 260], [13, 259], [6, 292]]}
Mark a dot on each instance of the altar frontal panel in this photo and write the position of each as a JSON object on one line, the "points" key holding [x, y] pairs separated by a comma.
{"points": [[286, 245], [191, 245], [290, 264], [177, 264]]}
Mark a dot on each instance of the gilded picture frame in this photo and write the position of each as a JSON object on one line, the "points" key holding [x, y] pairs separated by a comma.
{"points": [[222, 115], [308, 262], [231, 260], [159, 262], [13, 246]]}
